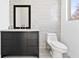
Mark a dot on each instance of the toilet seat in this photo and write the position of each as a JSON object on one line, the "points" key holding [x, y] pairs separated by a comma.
{"points": [[59, 45]]}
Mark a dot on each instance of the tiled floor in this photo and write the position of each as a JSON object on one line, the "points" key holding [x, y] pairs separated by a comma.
{"points": [[44, 53]]}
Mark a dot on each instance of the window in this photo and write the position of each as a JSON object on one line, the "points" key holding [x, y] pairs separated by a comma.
{"points": [[74, 9]]}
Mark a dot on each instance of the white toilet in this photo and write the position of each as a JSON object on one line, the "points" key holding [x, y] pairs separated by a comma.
{"points": [[56, 48]]}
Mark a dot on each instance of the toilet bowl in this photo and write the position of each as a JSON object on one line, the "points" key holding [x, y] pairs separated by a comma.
{"points": [[56, 48]]}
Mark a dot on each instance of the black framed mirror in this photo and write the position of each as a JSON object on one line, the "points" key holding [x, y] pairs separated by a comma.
{"points": [[22, 16]]}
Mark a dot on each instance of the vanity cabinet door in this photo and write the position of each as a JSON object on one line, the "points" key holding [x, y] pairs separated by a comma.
{"points": [[8, 43], [14, 43], [33, 43]]}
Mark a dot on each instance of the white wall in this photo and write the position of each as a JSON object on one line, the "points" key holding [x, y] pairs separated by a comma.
{"points": [[69, 31], [4, 16], [44, 16]]}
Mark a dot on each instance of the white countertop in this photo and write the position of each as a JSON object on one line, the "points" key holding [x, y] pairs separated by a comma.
{"points": [[20, 30]]}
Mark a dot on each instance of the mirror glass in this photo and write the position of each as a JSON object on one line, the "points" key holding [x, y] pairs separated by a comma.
{"points": [[21, 17]]}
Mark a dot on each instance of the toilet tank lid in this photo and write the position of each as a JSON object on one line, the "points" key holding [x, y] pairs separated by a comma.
{"points": [[54, 34]]}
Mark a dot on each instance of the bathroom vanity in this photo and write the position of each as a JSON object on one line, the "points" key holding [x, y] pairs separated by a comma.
{"points": [[20, 43]]}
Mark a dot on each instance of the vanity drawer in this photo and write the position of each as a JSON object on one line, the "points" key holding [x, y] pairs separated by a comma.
{"points": [[5, 35], [13, 35], [32, 35]]}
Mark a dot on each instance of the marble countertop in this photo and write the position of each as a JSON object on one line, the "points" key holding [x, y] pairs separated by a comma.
{"points": [[20, 30]]}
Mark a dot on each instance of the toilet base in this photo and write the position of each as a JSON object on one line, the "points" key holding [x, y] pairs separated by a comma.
{"points": [[56, 54]]}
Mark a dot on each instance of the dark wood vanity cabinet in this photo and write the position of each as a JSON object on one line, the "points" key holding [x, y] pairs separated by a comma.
{"points": [[19, 43]]}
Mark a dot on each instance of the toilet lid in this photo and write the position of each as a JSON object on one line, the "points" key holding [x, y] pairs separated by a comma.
{"points": [[59, 45]]}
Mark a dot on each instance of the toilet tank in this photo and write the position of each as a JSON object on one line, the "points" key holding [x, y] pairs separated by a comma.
{"points": [[51, 37]]}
